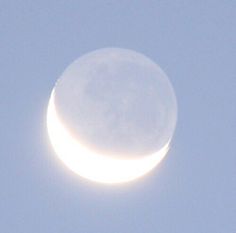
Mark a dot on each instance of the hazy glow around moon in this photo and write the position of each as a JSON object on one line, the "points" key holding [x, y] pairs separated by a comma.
{"points": [[94, 166], [111, 115]]}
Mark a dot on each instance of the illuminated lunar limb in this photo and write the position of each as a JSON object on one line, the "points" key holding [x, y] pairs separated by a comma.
{"points": [[111, 115]]}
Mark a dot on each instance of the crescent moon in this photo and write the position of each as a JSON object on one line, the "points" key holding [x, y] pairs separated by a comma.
{"points": [[91, 165]]}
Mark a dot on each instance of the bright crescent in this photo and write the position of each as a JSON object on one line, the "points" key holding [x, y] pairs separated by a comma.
{"points": [[91, 165]]}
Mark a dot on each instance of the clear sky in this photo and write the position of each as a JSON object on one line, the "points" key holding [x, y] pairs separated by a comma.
{"points": [[193, 189]]}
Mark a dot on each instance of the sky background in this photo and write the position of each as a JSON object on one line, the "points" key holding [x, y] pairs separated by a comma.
{"points": [[193, 189]]}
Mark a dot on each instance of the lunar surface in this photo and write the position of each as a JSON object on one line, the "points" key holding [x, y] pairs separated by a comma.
{"points": [[111, 115]]}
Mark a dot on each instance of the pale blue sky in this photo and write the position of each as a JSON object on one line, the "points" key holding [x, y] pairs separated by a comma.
{"points": [[193, 190]]}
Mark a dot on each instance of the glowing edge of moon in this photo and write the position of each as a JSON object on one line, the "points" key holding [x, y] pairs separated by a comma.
{"points": [[90, 165]]}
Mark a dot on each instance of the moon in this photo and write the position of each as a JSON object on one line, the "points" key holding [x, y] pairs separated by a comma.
{"points": [[111, 115]]}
